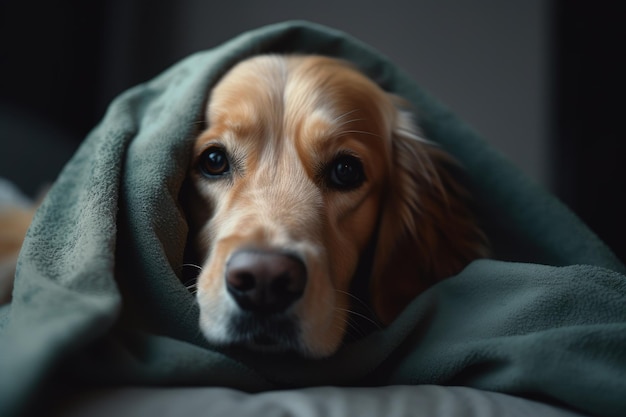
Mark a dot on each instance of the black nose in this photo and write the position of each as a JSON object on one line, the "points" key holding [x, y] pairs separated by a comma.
{"points": [[265, 282]]}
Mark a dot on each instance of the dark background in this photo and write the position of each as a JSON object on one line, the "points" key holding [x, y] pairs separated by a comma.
{"points": [[540, 80], [588, 143]]}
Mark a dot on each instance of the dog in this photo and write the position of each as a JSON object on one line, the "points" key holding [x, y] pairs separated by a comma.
{"points": [[16, 214], [306, 176], [14, 221]]}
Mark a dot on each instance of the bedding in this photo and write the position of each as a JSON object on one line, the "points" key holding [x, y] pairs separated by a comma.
{"points": [[392, 401], [100, 299]]}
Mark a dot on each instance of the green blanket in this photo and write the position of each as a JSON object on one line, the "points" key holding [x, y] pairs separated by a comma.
{"points": [[99, 299]]}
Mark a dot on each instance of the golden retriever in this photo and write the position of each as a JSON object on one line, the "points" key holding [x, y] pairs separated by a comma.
{"points": [[14, 222], [306, 173]]}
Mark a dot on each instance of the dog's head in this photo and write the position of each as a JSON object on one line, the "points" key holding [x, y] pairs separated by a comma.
{"points": [[305, 167]]}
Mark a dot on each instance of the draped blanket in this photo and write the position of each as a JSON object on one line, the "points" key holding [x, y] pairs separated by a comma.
{"points": [[99, 298]]}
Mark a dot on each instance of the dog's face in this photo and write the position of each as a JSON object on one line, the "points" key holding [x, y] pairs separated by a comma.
{"points": [[299, 171]]}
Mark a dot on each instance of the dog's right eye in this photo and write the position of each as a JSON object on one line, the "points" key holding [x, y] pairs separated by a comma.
{"points": [[345, 173], [213, 163]]}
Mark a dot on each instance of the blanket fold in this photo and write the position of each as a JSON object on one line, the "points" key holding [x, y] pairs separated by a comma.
{"points": [[99, 296]]}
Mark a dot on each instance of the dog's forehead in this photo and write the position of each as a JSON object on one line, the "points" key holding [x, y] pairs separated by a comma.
{"points": [[279, 83], [306, 99]]}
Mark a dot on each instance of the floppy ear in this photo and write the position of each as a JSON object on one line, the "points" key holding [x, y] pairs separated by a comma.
{"points": [[427, 231]]}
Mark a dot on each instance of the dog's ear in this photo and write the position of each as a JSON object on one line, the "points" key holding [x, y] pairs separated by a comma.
{"points": [[427, 231]]}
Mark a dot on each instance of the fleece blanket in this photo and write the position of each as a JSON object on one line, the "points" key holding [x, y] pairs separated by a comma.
{"points": [[99, 297]]}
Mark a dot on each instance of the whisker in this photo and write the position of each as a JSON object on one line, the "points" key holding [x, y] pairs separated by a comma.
{"points": [[349, 294], [192, 284], [363, 316], [198, 267], [360, 301], [199, 122], [193, 288], [351, 330]]}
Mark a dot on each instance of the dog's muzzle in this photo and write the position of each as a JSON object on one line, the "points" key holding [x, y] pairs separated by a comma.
{"points": [[264, 285]]}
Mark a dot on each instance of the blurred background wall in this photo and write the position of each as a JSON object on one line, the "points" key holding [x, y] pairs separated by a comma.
{"points": [[537, 78]]}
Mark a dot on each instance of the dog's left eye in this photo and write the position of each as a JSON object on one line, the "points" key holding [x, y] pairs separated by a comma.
{"points": [[346, 173], [214, 162]]}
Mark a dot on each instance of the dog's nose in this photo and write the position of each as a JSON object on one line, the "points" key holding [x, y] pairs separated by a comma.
{"points": [[265, 282]]}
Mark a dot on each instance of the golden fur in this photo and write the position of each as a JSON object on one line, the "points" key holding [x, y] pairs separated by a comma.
{"points": [[281, 122], [14, 222]]}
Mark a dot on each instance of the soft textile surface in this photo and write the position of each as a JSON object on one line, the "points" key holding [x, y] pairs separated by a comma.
{"points": [[98, 298], [393, 401]]}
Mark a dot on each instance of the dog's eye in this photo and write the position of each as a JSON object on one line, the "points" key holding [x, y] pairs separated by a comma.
{"points": [[214, 162], [346, 173]]}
